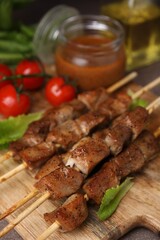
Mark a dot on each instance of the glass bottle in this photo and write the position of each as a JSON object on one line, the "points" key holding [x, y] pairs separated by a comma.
{"points": [[141, 21], [90, 51]]}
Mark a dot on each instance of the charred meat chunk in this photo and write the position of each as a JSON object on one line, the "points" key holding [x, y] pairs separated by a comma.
{"points": [[62, 182], [71, 214]]}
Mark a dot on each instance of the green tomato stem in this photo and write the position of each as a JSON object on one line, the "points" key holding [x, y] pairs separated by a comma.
{"points": [[19, 76]]}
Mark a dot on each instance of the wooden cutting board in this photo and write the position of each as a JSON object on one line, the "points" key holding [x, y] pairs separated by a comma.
{"points": [[140, 207]]}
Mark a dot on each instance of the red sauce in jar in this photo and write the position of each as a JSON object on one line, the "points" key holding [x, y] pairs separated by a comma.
{"points": [[91, 60]]}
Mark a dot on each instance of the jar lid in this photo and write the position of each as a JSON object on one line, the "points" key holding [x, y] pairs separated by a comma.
{"points": [[47, 31]]}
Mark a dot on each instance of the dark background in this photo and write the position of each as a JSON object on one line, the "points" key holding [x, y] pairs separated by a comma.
{"points": [[34, 11], [32, 14]]}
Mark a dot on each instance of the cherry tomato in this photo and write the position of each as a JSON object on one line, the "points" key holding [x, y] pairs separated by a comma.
{"points": [[57, 92], [12, 103], [26, 67], [4, 71]]}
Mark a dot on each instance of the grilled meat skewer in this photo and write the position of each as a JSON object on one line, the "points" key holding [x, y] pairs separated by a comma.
{"points": [[56, 176], [150, 108], [145, 155], [53, 117], [45, 146], [89, 151], [92, 100], [67, 134], [68, 216], [86, 155], [85, 101], [131, 160], [63, 137], [37, 130], [74, 211]]}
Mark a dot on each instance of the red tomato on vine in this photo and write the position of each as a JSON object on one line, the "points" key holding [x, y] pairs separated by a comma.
{"points": [[30, 67], [12, 103], [57, 92]]}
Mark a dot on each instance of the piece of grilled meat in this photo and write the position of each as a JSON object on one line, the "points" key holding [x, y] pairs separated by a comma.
{"points": [[74, 210], [131, 160]]}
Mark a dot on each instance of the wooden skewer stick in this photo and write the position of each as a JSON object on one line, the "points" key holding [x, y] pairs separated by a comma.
{"points": [[146, 88], [51, 229], [19, 203], [122, 82], [45, 196], [13, 172], [153, 105], [24, 214]]}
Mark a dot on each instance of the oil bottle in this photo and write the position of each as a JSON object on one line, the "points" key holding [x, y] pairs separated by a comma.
{"points": [[141, 21]]}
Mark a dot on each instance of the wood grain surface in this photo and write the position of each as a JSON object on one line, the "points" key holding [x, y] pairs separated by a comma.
{"points": [[140, 207]]}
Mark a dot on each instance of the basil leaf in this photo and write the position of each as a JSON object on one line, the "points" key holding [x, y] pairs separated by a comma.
{"points": [[13, 128], [112, 198]]}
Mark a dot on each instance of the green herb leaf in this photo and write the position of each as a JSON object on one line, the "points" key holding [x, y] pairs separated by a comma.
{"points": [[138, 102], [112, 198], [13, 128]]}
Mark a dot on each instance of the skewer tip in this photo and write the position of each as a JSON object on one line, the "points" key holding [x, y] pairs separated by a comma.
{"points": [[49, 231], [13, 172], [153, 105], [20, 203], [25, 213]]}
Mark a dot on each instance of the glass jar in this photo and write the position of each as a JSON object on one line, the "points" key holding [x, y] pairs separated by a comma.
{"points": [[90, 51], [141, 21], [47, 31]]}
